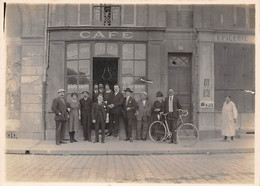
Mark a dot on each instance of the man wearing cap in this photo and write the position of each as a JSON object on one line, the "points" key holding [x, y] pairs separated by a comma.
{"points": [[85, 110], [158, 106], [60, 109], [143, 116], [129, 108], [172, 104], [116, 109]]}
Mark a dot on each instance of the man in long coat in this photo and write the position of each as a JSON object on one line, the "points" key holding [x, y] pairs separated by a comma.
{"points": [[116, 109], [85, 112], [61, 116], [129, 109]]}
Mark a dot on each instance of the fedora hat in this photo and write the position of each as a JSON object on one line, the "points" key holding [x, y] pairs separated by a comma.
{"points": [[61, 90], [128, 90], [84, 91], [159, 94]]}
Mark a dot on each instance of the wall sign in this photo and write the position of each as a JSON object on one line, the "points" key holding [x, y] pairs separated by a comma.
{"points": [[207, 104], [106, 35], [234, 38]]}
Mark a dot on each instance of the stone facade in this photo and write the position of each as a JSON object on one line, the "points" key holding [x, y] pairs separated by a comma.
{"points": [[36, 58]]}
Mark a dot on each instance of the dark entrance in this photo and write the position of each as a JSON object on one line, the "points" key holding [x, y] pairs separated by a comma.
{"points": [[105, 70]]}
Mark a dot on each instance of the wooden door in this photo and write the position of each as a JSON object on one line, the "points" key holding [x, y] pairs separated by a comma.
{"points": [[179, 78]]}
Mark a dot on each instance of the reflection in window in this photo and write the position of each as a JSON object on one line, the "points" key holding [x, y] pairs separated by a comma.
{"points": [[84, 66], [72, 51], [84, 51], [78, 67], [72, 68], [128, 51], [128, 67]]}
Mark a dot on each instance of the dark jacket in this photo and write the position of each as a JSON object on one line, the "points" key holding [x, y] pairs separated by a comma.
{"points": [[132, 104], [94, 96], [60, 109], [157, 105], [176, 105], [95, 111], [108, 97], [117, 101], [85, 107]]}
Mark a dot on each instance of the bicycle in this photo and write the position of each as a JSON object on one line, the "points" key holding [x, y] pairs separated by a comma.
{"points": [[187, 133]]}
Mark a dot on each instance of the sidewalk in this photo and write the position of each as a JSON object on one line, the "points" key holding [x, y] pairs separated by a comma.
{"points": [[120, 147]]}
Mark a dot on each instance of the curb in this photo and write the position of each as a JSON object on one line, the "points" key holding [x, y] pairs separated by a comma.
{"points": [[95, 152]]}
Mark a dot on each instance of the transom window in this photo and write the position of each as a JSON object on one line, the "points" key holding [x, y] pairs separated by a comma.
{"points": [[106, 15]]}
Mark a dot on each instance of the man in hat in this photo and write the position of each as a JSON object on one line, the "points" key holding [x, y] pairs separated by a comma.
{"points": [[95, 93], [116, 109], [85, 110], [61, 116], [143, 116], [158, 106], [129, 108], [172, 104]]}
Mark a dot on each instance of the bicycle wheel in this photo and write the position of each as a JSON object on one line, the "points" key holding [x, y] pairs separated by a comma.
{"points": [[157, 131], [187, 135]]}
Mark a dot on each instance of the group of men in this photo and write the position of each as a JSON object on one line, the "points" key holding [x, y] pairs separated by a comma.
{"points": [[107, 106]]}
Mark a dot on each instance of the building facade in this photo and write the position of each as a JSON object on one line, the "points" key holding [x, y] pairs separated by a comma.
{"points": [[203, 52]]}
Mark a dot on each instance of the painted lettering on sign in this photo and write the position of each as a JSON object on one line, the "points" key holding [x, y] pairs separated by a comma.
{"points": [[234, 38], [106, 35]]}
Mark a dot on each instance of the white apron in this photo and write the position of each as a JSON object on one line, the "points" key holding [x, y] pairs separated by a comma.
{"points": [[229, 113]]}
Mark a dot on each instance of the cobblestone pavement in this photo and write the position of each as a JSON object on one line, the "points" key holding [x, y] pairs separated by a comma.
{"points": [[196, 168]]}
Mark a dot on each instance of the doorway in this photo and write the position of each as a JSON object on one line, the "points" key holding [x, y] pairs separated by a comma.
{"points": [[179, 78], [105, 70]]}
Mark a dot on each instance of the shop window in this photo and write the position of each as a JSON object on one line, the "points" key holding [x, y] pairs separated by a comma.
{"points": [[78, 67], [106, 15], [234, 75], [110, 49], [252, 17], [134, 67]]}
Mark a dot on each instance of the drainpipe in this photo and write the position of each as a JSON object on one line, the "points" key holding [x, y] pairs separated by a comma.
{"points": [[45, 66]]}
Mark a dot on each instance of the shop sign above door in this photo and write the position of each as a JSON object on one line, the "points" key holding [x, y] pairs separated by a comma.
{"points": [[124, 35], [106, 35]]}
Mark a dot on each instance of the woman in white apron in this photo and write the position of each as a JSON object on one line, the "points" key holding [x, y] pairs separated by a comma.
{"points": [[229, 118]]}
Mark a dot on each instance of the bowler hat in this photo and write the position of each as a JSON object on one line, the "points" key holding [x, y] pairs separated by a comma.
{"points": [[85, 91], [159, 94], [61, 90], [128, 90]]}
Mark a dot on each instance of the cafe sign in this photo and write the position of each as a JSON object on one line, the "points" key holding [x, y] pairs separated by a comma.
{"points": [[106, 35]]}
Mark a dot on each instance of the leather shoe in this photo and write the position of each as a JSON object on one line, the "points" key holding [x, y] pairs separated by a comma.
{"points": [[144, 139], [95, 141], [85, 139], [90, 140], [62, 142], [131, 140], [126, 139], [170, 142]]}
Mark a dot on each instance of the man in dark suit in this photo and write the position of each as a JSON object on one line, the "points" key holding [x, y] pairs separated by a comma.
{"points": [[172, 104], [85, 112], [116, 109], [99, 117], [61, 116], [129, 108], [95, 93]]}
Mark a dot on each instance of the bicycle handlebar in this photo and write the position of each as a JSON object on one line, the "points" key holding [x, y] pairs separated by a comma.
{"points": [[181, 113]]}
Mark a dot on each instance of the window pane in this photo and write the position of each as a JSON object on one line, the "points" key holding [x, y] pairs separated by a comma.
{"points": [[100, 48], [127, 82], [140, 68], [139, 86], [72, 68], [84, 67], [84, 84], [112, 49], [72, 51], [84, 51], [72, 84], [128, 51], [140, 51], [127, 67]]}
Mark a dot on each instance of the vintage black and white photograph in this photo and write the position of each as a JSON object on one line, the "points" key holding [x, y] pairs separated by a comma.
{"points": [[120, 93]]}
